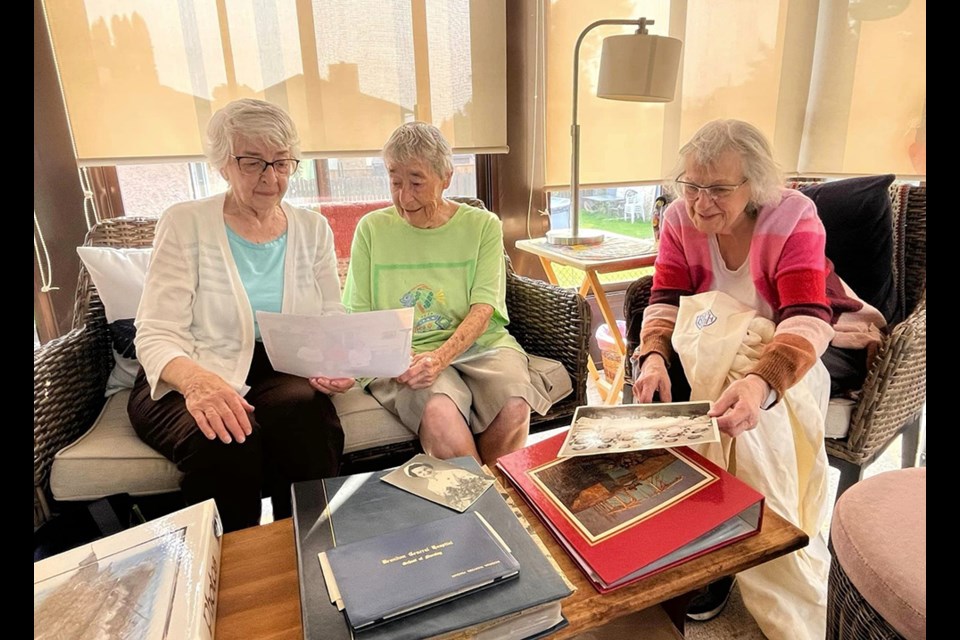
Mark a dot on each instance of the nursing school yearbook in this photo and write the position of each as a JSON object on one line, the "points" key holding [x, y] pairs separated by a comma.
{"points": [[625, 516], [394, 574], [335, 512]]}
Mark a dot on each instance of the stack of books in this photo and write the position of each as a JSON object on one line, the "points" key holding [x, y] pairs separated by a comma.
{"points": [[153, 581], [377, 562], [624, 516]]}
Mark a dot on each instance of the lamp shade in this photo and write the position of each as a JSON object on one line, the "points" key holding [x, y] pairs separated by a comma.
{"points": [[640, 67]]}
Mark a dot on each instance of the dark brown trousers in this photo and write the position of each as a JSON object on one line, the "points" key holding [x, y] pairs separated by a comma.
{"points": [[296, 436]]}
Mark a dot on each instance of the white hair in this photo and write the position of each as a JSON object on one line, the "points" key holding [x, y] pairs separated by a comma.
{"points": [[420, 141], [252, 119], [717, 137]]}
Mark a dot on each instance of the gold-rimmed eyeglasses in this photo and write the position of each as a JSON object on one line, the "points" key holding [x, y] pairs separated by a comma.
{"points": [[715, 192], [255, 166]]}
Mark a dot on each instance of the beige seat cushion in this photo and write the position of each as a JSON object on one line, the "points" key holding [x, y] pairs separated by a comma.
{"points": [[839, 412], [365, 423], [110, 457], [560, 385]]}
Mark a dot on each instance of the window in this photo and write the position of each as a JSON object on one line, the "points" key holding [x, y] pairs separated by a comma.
{"points": [[148, 189], [626, 210]]}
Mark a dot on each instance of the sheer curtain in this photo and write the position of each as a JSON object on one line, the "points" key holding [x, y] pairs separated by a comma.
{"points": [[839, 86]]}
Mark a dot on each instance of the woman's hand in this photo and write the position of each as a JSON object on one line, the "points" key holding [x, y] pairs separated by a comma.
{"points": [[220, 411], [423, 371], [738, 407], [330, 386], [653, 377]]}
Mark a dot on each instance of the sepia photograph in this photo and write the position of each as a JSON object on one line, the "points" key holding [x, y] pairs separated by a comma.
{"points": [[439, 481], [604, 494], [637, 427]]}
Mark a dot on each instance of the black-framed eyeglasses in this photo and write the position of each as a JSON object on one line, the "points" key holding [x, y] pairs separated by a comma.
{"points": [[255, 166], [715, 192]]}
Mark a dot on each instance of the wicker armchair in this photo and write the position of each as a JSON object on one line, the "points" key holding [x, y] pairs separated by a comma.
{"points": [[893, 396], [70, 373]]}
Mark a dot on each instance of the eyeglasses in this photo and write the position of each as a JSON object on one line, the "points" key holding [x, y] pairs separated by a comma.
{"points": [[255, 166], [715, 192]]}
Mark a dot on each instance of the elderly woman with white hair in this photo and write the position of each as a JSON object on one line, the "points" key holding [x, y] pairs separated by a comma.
{"points": [[469, 389], [206, 396], [743, 305]]}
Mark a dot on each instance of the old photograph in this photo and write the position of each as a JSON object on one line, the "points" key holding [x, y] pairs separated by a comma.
{"points": [[439, 481], [637, 427]]}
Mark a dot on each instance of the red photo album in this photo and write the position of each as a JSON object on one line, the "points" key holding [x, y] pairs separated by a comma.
{"points": [[623, 516]]}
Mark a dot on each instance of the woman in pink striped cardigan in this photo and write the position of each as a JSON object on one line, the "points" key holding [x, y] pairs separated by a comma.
{"points": [[735, 229]]}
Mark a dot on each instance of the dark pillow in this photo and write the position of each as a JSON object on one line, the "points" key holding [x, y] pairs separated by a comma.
{"points": [[858, 217], [123, 332]]}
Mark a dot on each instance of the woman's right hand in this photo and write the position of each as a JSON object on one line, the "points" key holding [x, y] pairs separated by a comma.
{"points": [[653, 377], [219, 410], [423, 371]]}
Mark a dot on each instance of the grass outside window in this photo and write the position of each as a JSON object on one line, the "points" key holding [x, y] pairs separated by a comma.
{"points": [[571, 277]]}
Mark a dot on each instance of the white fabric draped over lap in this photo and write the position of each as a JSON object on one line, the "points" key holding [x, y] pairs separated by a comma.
{"points": [[718, 340]]}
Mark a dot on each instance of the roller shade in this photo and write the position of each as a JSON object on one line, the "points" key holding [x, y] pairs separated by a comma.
{"points": [[838, 86], [141, 78]]}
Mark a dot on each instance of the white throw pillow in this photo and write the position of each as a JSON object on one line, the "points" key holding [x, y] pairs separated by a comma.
{"points": [[118, 274]]}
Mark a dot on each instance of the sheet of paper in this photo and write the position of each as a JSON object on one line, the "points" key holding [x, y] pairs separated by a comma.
{"points": [[355, 345]]}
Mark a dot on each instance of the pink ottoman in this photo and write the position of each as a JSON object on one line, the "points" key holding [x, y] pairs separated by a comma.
{"points": [[879, 572]]}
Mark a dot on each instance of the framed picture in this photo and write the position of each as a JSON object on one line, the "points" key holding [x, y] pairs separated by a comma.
{"points": [[603, 494]]}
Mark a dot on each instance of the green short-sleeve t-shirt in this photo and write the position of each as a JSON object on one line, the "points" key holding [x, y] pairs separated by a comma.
{"points": [[439, 272]]}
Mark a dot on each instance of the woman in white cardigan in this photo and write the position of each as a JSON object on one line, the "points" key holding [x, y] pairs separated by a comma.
{"points": [[206, 397]]}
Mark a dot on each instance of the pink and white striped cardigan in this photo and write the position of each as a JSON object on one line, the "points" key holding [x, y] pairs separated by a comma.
{"points": [[790, 271]]}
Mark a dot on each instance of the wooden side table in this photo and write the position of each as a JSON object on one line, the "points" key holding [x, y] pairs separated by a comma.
{"points": [[615, 253], [259, 590]]}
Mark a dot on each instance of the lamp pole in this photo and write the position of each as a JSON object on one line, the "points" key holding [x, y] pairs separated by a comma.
{"points": [[592, 237]]}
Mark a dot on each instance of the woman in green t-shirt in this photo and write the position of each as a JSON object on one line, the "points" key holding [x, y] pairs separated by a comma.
{"points": [[469, 390]]}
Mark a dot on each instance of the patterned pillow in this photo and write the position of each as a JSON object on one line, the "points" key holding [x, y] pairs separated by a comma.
{"points": [[118, 275]]}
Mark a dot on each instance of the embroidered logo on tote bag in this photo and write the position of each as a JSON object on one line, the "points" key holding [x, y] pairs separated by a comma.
{"points": [[705, 319]]}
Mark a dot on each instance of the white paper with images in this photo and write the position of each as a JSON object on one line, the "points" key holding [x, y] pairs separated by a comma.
{"points": [[356, 345]]}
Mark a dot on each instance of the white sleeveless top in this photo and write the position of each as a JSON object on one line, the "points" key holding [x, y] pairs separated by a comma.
{"points": [[736, 283]]}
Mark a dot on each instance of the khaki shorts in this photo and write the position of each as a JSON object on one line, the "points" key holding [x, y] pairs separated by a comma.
{"points": [[480, 387]]}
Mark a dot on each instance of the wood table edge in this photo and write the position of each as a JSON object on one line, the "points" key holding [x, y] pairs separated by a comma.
{"points": [[587, 608]]}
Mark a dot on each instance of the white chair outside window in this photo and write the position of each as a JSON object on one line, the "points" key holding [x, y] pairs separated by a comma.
{"points": [[633, 206]]}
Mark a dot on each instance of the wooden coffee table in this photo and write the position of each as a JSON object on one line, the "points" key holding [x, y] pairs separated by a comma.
{"points": [[259, 590]]}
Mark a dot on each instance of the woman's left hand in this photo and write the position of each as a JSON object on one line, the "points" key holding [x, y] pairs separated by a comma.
{"points": [[738, 407], [331, 386], [423, 371]]}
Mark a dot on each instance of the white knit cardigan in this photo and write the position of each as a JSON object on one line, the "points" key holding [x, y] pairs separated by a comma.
{"points": [[194, 303]]}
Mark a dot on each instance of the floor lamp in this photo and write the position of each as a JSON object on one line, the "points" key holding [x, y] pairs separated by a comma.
{"points": [[639, 67]]}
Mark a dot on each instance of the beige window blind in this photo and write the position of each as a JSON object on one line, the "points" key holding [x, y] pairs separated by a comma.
{"points": [[839, 89], [141, 78]]}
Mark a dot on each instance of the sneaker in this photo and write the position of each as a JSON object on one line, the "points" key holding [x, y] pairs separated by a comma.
{"points": [[710, 600]]}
